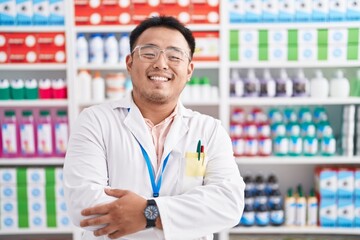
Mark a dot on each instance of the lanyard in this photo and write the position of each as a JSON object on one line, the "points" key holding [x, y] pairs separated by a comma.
{"points": [[155, 185]]}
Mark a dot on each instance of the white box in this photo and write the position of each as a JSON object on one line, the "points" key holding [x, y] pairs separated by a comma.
{"points": [[9, 207], [35, 176], [307, 36], [252, 10], [63, 221], [277, 37], [7, 12], [357, 183], [338, 36], [249, 53], [327, 181], [41, 12], [37, 207], [9, 221], [328, 213], [278, 53], [337, 10], [56, 12], [8, 192], [303, 10], [37, 221], [345, 212], [24, 12], [7, 176], [345, 182], [236, 11], [58, 175], [270, 10], [59, 191], [36, 191], [353, 10], [248, 38], [61, 207], [307, 52], [320, 10], [337, 53], [286, 10], [357, 213]]}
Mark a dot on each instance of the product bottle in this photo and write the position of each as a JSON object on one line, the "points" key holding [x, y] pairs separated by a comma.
{"points": [[267, 85], [248, 217], [44, 134], [300, 208], [59, 88], [310, 142], [124, 47], [290, 208], [262, 215], [236, 84], [98, 88], [111, 48], [10, 135], [82, 50], [272, 184], [195, 91], [339, 86], [284, 85], [31, 89], [251, 84], [277, 217], [17, 89], [84, 83], [4, 89], [312, 209], [300, 85], [319, 86], [45, 90], [205, 88], [61, 132], [27, 134], [96, 49]]}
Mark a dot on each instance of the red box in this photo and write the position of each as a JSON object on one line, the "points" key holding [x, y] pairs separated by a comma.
{"points": [[87, 14], [205, 14], [51, 47], [207, 46], [23, 47], [144, 11], [115, 15], [4, 48], [182, 14]]}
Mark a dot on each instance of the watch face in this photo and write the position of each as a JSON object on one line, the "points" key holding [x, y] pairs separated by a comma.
{"points": [[151, 212]]}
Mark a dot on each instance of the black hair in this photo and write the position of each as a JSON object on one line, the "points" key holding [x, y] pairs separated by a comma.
{"points": [[163, 21]]}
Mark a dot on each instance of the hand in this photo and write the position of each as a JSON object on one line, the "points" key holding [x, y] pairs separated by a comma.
{"points": [[120, 217]]}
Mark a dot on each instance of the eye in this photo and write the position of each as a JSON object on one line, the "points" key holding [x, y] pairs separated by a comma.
{"points": [[148, 55]]}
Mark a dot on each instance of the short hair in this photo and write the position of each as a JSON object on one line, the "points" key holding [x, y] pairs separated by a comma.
{"points": [[163, 21]]}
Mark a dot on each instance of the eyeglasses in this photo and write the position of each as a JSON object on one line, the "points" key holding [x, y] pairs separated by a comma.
{"points": [[151, 53]]}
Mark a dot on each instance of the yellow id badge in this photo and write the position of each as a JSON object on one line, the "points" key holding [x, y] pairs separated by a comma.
{"points": [[194, 166]]}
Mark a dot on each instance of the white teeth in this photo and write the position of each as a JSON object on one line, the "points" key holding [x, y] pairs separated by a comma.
{"points": [[157, 78]]}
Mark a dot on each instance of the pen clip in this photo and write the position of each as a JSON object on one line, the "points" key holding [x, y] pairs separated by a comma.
{"points": [[198, 149]]}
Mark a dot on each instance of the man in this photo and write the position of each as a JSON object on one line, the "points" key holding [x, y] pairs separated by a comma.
{"points": [[145, 167]]}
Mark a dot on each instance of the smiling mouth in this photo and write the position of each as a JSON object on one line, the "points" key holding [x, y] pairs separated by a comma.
{"points": [[159, 78]]}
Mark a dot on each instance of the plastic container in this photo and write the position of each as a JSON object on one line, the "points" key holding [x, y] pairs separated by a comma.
{"points": [[27, 134], [115, 85], [319, 86], [284, 85], [84, 83], [44, 134], [17, 89], [82, 50], [45, 90], [10, 135], [290, 208], [339, 86], [59, 88], [4, 89], [98, 87], [61, 130], [236, 84], [301, 85], [251, 84], [111, 48], [267, 85], [124, 47], [300, 208], [277, 217], [96, 48], [205, 88], [31, 89], [312, 209]]}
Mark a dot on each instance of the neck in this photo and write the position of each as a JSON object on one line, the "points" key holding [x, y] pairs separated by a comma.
{"points": [[155, 112]]}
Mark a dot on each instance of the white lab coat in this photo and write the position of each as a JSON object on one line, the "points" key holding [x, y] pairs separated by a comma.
{"points": [[193, 203]]}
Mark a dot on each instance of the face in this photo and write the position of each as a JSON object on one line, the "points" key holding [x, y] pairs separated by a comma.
{"points": [[160, 81]]}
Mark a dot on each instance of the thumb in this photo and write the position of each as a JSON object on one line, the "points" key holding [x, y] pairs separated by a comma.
{"points": [[115, 192]]}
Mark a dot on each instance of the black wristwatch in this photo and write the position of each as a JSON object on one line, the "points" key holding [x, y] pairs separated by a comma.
{"points": [[151, 212]]}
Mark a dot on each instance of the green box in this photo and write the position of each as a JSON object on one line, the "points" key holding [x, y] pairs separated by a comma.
{"points": [[234, 53], [353, 52], [292, 53]]}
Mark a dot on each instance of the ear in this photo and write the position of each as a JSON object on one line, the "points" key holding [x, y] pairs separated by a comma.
{"points": [[190, 70], [129, 61]]}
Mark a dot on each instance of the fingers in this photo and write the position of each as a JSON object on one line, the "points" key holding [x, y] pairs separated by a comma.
{"points": [[101, 209], [95, 221], [118, 193], [108, 230]]}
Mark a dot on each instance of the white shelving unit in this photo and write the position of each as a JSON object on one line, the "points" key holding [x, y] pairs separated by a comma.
{"points": [[220, 108]]}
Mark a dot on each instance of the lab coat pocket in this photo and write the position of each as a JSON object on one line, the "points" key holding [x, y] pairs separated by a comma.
{"points": [[195, 164]]}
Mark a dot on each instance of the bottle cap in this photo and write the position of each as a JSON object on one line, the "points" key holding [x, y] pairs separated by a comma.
{"points": [[27, 113], [9, 113], [61, 113], [44, 113]]}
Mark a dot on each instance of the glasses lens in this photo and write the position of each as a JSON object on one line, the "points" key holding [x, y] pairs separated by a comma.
{"points": [[148, 53], [174, 55]]}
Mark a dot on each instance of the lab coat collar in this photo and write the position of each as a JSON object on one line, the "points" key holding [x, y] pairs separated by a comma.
{"points": [[140, 130]]}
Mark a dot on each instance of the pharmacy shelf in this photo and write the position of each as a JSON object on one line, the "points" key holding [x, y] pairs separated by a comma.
{"points": [[105, 66], [206, 65], [129, 28], [35, 103], [284, 101], [38, 231], [32, 29], [293, 25], [286, 160], [295, 230], [32, 66], [31, 161], [294, 64]]}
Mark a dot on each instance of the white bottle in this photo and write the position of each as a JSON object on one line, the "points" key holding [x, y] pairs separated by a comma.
{"points": [[339, 86], [96, 49], [236, 84], [319, 86], [82, 49], [284, 85], [251, 84], [111, 49], [301, 84], [98, 88], [267, 85], [84, 83], [124, 47]]}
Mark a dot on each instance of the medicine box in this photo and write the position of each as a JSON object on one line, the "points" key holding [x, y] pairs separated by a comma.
{"points": [[345, 182], [328, 213], [345, 212]]}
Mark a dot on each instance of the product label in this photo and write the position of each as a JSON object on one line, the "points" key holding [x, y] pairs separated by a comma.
{"points": [[44, 139], [9, 138], [61, 137], [27, 139]]}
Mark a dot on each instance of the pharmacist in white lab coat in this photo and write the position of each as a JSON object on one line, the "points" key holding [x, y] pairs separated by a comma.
{"points": [[145, 167]]}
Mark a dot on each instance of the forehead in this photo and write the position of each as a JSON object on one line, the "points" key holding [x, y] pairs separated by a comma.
{"points": [[162, 37]]}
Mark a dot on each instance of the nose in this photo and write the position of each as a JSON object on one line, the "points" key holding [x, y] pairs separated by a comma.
{"points": [[161, 61]]}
